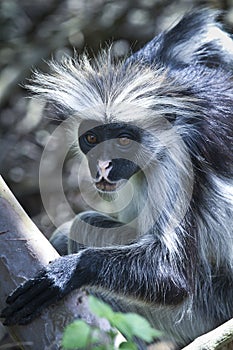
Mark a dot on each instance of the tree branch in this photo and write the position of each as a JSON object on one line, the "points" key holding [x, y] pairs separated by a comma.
{"points": [[23, 251], [221, 338]]}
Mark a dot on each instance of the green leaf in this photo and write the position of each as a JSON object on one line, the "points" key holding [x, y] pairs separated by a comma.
{"points": [[121, 323], [76, 335], [102, 347], [127, 346], [141, 327], [129, 324], [101, 309]]}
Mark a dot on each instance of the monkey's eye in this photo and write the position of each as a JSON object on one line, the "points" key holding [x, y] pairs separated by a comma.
{"points": [[124, 141], [91, 138]]}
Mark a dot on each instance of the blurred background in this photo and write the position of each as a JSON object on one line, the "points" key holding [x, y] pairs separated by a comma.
{"points": [[31, 33]]}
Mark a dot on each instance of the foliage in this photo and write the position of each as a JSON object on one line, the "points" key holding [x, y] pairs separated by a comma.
{"points": [[80, 335]]}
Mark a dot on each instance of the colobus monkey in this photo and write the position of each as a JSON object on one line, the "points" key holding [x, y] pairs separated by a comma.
{"points": [[156, 132]]}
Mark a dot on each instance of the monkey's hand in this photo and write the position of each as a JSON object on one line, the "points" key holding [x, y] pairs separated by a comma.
{"points": [[50, 285]]}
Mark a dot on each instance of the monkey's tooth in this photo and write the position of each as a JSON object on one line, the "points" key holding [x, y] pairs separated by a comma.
{"points": [[106, 186]]}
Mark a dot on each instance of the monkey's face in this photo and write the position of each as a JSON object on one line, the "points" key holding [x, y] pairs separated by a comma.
{"points": [[111, 151]]}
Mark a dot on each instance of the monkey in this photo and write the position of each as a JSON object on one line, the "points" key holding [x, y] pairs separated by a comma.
{"points": [[155, 134]]}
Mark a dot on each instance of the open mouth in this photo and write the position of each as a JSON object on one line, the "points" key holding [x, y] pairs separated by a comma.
{"points": [[106, 186]]}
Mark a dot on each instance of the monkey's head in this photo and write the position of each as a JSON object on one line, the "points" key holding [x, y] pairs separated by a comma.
{"points": [[166, 89], [112, 150]]}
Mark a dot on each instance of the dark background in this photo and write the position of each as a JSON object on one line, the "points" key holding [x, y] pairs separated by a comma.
{"points": [[32, 32]]}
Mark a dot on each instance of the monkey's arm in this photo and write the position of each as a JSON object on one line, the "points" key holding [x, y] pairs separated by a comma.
{"points": [[126, 271]]}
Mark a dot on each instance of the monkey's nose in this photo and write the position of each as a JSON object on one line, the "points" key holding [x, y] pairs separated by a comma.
{"points": [[104, 168]]}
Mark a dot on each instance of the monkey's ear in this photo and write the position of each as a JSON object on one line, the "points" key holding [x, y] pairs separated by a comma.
{"points": [[197, 38]]}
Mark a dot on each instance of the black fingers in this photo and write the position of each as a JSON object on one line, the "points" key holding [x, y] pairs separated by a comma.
{"points": [[27, 286], [49, 285], [30, 310], [27, 300]]}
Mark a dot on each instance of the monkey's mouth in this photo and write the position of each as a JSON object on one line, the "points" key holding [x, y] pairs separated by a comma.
{"points": [[105, 186]]}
